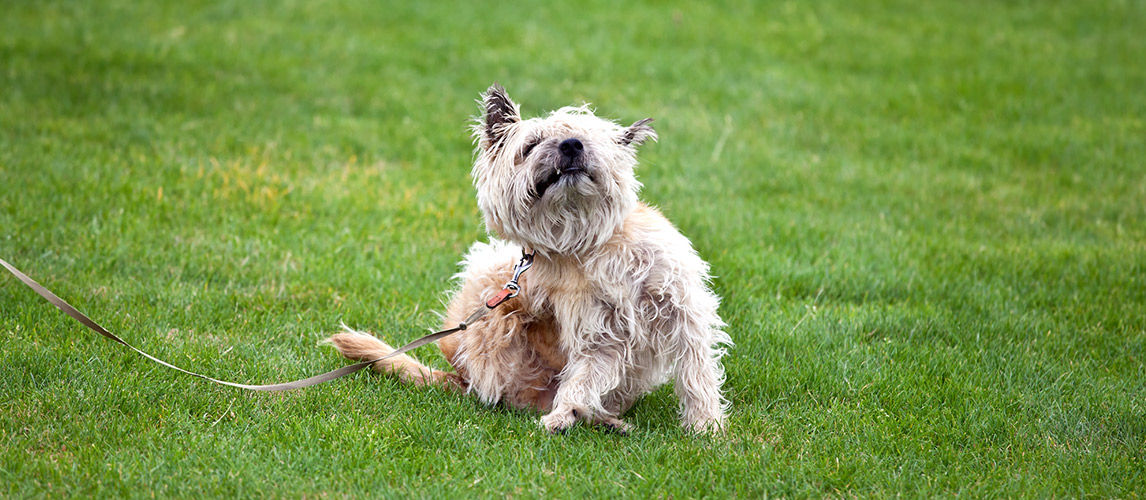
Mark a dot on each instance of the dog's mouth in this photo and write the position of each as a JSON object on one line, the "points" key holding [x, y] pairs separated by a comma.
{"points": [[566, 172]]}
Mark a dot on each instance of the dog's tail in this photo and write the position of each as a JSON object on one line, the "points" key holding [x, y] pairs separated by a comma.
{"points": [[359, 346]]}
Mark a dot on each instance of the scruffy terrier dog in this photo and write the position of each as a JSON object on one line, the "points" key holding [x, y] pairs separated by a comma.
{"points": [[617, 301]]}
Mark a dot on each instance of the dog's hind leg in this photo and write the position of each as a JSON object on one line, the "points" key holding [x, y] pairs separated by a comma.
{"points": [[509, 356]]}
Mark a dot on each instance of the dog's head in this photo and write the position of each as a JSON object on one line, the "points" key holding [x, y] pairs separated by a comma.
{"points": [[559, 184]]}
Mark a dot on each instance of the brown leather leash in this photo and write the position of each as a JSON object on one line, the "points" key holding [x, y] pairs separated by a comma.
{"points": [[509, 291]]}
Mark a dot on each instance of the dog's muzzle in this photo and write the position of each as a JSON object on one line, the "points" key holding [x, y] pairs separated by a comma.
{"points": [[570, 162]]}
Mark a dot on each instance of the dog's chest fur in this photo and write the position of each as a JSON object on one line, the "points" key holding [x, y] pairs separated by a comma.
{"points": [[622, 294]]}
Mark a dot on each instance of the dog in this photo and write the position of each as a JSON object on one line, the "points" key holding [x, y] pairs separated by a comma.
{"points": [[617, 301]]}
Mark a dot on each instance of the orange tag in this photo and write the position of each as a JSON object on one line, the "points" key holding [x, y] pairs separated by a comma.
{"points": [[501, 296]]}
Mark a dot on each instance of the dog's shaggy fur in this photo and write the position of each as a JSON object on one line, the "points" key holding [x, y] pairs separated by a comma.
{"points": [[616, 303]]}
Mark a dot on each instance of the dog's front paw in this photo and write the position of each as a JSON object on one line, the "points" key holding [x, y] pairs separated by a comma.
{"points": [[617, 425], [558, 420], [707, 425]]}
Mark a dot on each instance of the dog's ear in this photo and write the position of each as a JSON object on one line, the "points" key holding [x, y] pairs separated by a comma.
{"points": [[638, 133], [498, 111]]}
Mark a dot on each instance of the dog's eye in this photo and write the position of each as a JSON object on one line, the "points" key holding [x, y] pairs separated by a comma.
{"points": [[529, 147]]}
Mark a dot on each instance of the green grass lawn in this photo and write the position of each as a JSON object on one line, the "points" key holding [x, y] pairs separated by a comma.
{"points": [[927, 219]]}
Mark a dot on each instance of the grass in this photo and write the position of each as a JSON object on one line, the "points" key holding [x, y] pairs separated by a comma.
{"points": [[927, 220]]}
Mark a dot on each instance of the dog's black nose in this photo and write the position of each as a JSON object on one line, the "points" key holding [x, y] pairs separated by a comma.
{"points": [[571, 147]]}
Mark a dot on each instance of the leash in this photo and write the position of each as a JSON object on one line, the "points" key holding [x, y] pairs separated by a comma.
{"points": [[509, 291]]}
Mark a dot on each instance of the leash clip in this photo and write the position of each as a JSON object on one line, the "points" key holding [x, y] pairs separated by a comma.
{"points": [[511, 288], [521, 267]]}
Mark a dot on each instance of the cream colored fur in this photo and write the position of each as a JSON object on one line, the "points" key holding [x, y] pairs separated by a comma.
{"points": [[617, 302], [363, 347]]}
